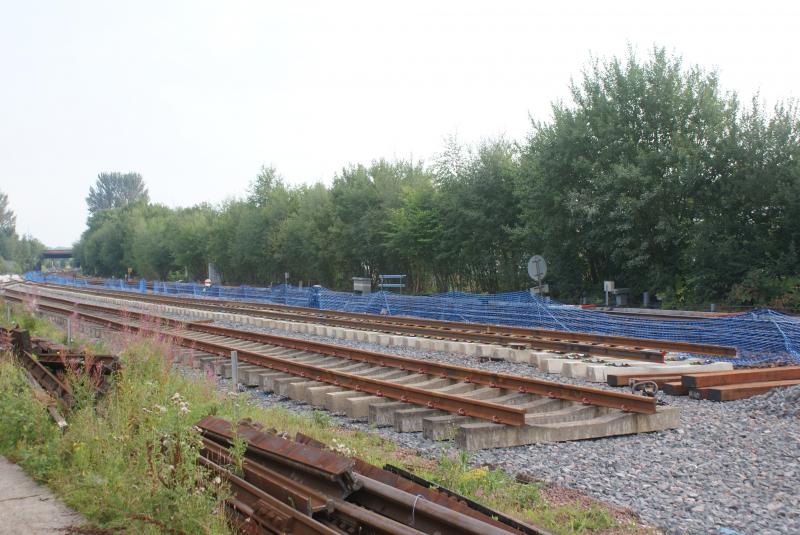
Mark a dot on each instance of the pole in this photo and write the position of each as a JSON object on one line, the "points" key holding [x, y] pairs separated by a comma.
{"points": [[235, 383], [235, 371], [69, 331]]}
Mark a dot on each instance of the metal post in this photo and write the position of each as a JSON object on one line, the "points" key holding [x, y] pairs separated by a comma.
{"points": [[235, 371], [235, 383]]}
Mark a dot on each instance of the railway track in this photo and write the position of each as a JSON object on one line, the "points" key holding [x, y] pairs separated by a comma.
{"points": [[298, 486], [483, 409], [569, 342]]}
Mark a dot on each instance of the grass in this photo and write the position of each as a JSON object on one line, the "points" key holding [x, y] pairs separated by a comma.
{"points": [[129, 460]]}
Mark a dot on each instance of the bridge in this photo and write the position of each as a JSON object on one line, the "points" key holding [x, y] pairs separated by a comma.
{"points": [[53, 254], [56, 253]]}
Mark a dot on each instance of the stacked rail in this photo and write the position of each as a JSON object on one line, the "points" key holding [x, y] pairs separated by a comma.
{"points": [[47, 363], [715, 386], [301, 487]]}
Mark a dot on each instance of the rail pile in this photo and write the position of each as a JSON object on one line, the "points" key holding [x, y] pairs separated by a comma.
{"points": [[47, 363], [714, 386], [300, 487]]}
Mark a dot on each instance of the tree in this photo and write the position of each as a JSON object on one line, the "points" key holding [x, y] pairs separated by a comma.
{"points": [[8, 220], [264, 186], [611, 188], [479, 211], [116, 190], [7, 232]]}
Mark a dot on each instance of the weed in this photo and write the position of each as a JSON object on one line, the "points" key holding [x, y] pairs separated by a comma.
{"points": [[321, 419]]}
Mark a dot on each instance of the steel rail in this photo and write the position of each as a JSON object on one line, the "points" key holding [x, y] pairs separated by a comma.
{"points": [[581, 394], [269, 513], [539, 338], [423, 509], [301, 497]]}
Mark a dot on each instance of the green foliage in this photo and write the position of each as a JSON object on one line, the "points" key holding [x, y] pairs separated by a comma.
{"points": [[8, 220], [650, 175], [498, 490], [27, 433], [17, 255], [127, 461], [116, 190]]}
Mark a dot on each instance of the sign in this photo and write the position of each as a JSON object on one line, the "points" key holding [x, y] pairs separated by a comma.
{"points": [[608, 286], [537, 268]]}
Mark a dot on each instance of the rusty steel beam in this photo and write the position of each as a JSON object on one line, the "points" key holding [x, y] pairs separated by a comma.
{"points": [[268, 514], [784, 373], [303, 498], [732, 392]]}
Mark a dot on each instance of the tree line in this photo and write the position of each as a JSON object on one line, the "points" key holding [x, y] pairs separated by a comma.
{"points": [[17, 253], [650, 175]]}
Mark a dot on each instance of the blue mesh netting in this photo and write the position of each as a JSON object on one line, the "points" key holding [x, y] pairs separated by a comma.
{"points": [[759, 336]]}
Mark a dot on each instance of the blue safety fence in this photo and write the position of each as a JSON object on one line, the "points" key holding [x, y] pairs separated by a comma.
{"points": [[759, 336]]}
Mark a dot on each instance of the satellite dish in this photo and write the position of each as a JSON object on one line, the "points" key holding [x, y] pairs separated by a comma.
{"points": [[537, 268]]}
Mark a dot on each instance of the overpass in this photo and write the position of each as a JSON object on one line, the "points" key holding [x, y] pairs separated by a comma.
{"points": [[53, 254], [56, 253]]}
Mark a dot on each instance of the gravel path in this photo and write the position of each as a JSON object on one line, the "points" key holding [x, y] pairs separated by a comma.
{"points": [[733, 465]]}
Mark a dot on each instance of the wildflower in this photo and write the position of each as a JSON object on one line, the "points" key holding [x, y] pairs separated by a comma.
{"points": [[160, 408], [217, 480], [176, 397]]}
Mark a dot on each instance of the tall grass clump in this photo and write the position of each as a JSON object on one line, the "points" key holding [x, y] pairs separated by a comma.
{"points": [[128, 461]]}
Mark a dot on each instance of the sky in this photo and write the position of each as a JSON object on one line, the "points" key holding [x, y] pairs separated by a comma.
{"points": [[198, 95]]}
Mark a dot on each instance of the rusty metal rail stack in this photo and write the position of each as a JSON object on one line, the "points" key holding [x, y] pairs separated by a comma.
{"points": [[301, 487], [481, 409], [715, 386], [643, 349], [48, 362]]}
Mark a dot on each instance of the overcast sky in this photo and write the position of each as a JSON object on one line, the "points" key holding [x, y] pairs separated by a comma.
{"points": [[196, 96]]}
